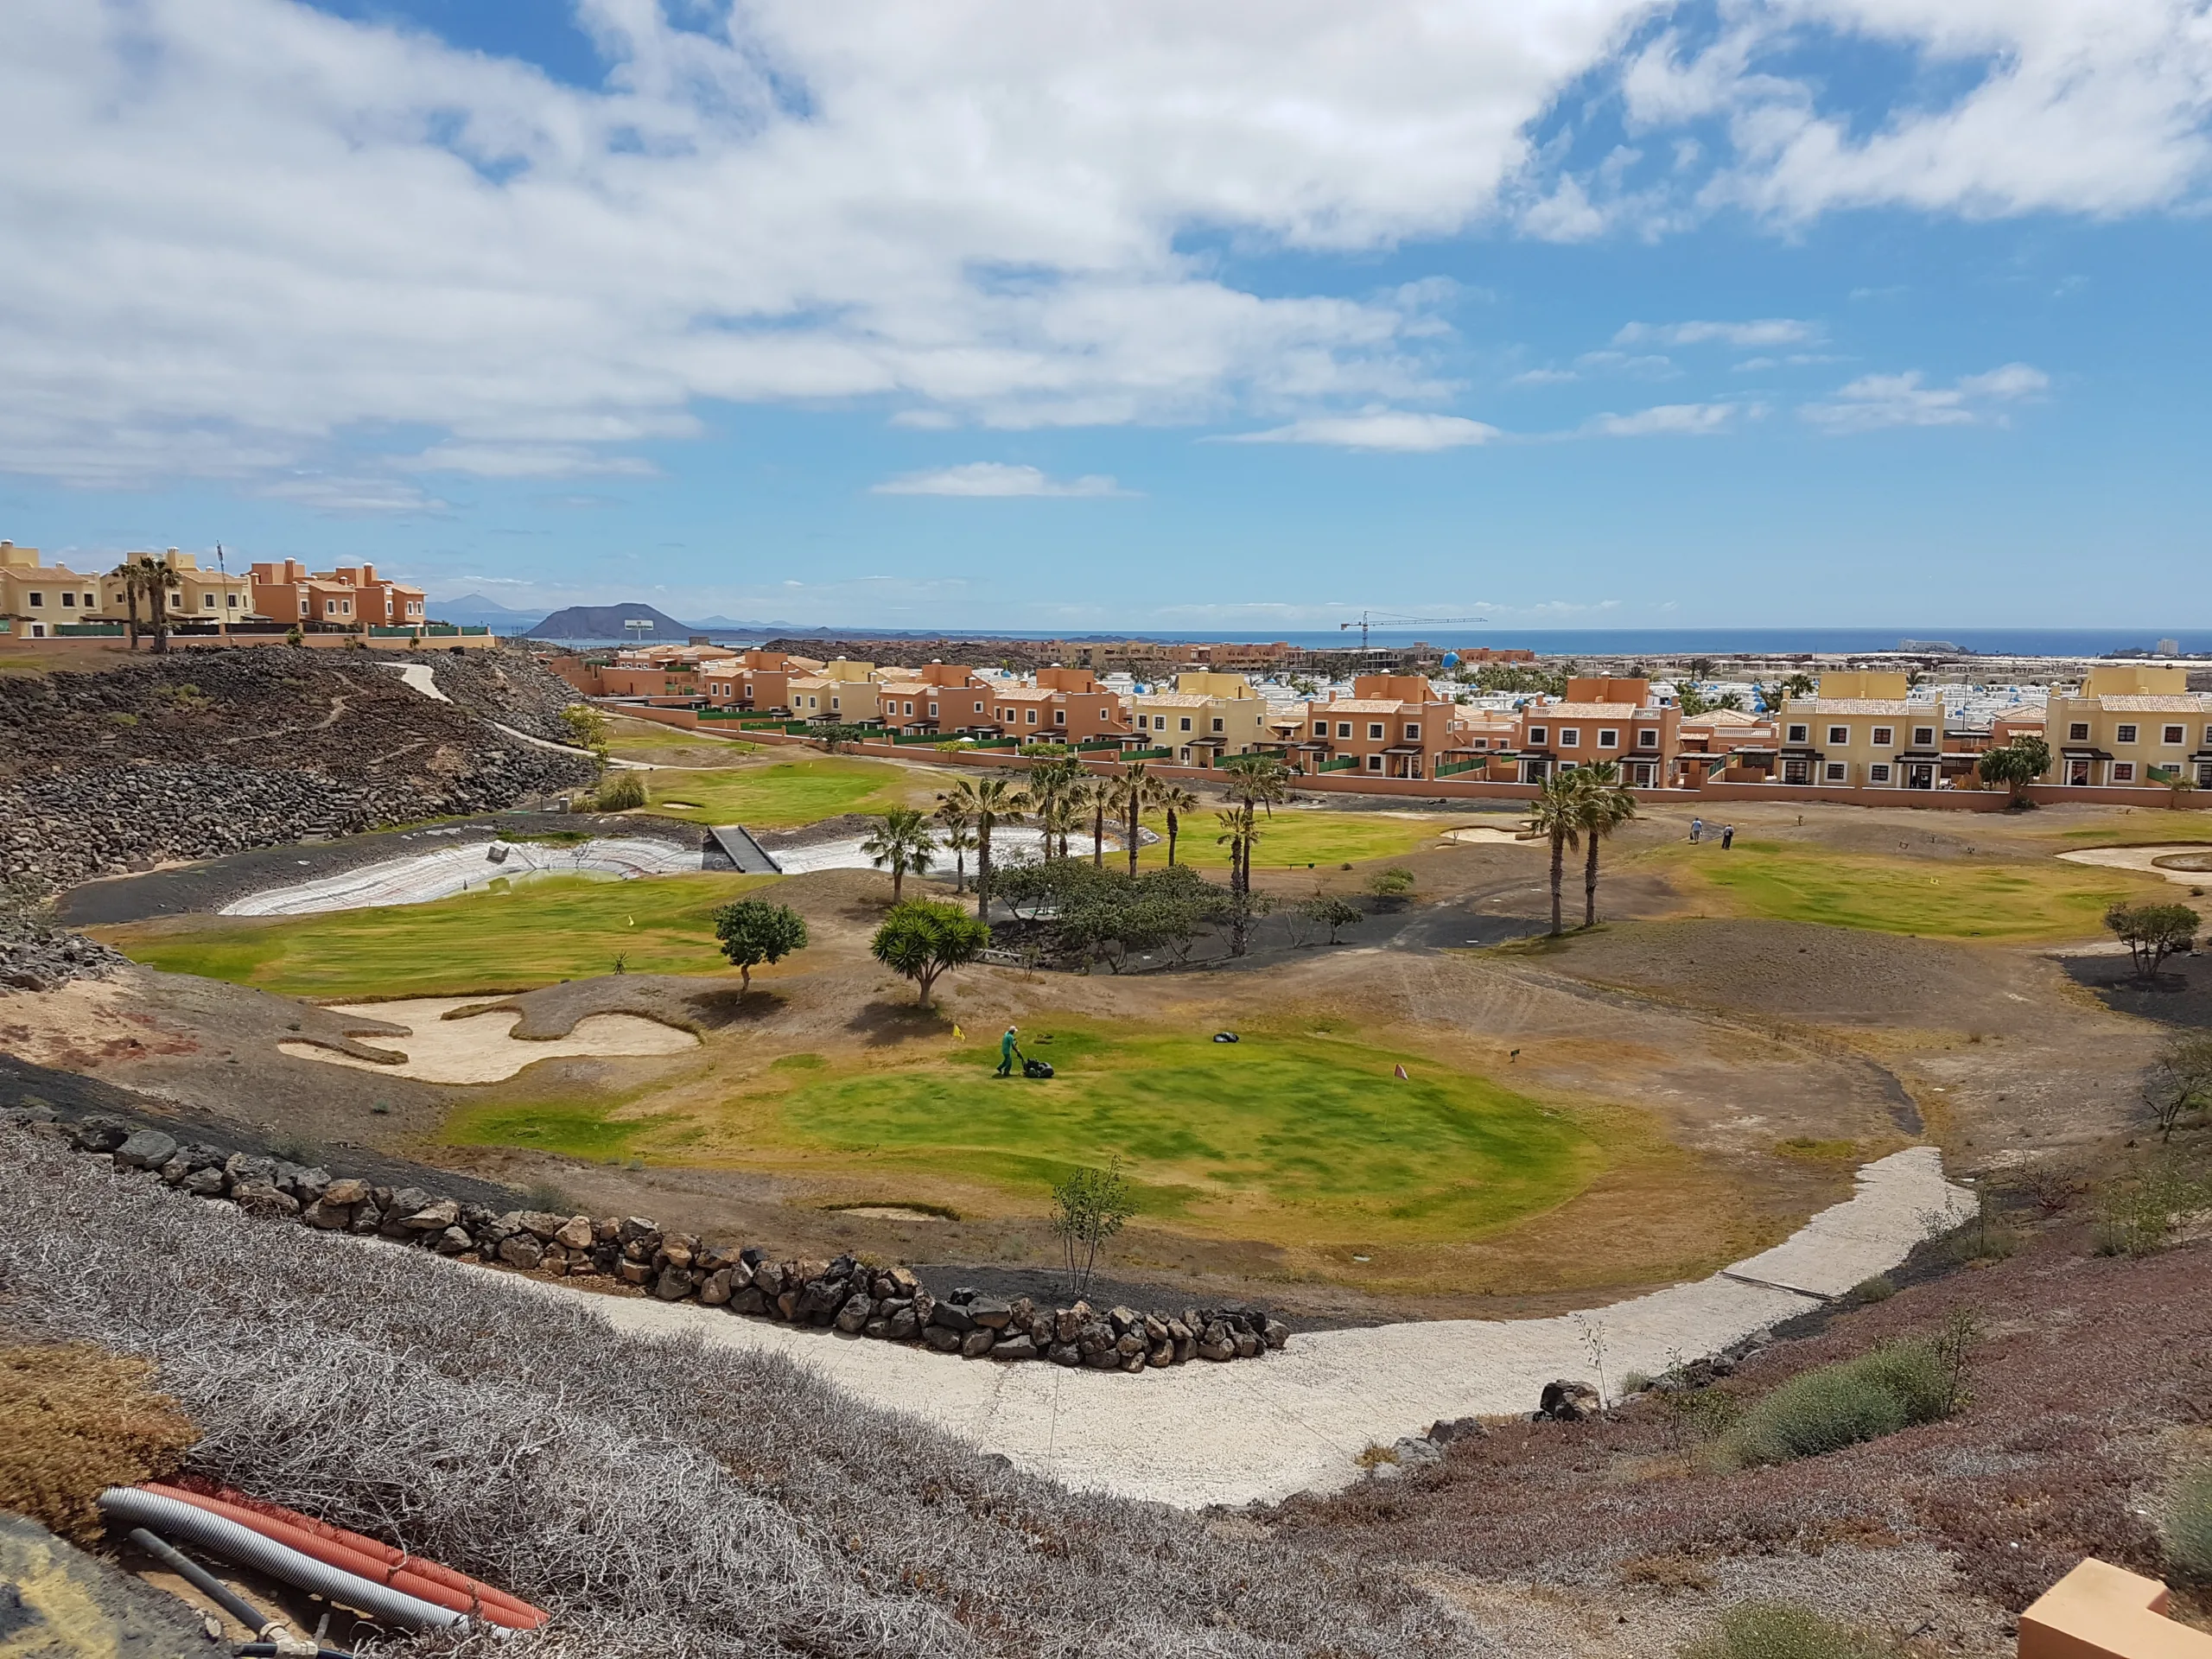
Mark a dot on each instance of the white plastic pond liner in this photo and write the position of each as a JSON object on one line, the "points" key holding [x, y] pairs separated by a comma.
{"points": [[421, 877]]}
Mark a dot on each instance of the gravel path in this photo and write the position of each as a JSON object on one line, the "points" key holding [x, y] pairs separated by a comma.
{"points": [[1201, 1434]]}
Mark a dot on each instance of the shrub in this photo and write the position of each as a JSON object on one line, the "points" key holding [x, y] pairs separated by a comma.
{"points": [[1780, 1630], [75, 1420], [1879, 1288], [1894, 1387], [621, 793], [2187, 1523]]}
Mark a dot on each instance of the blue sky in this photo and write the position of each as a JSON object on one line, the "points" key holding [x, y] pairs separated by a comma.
{"points": [[1569, 312]]}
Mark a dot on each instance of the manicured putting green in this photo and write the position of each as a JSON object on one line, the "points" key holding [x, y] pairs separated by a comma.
{"points": [[1296, 839], [784, 794], [539, 932], [2012, 899], [1300, 1140]]}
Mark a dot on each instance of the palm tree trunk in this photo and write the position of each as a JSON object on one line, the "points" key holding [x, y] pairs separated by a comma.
{"points": [[131, 611], [1098, 836], [1590, 884], [1130, 823], [983, 870], [1172, 826], [898, 881], [1559, 872]]}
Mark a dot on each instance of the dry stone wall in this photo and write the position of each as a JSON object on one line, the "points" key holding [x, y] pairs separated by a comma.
{"points": [[889, 1304]]}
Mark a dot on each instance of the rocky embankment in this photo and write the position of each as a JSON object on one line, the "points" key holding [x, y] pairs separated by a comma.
{"points": [[187, 756], [35, 956], [887, 1303]]}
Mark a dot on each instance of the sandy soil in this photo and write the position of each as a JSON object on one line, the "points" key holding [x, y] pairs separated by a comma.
{"points": [[440, 1041], [2188, 864]]}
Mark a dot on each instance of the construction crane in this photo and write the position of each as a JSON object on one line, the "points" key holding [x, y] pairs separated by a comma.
{"points": [[1367, 620]]}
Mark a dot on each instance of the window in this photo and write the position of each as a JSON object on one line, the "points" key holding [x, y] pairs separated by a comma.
{"points": [[1609, 737], [1186, 723], [2208, 737], [1800, 734], [38, 600], [1834, 771], [1375, 731], [2123, 733], [1924, 737], [1570, 737], [932, 711], [1375, 763], [1647, 740], [1218, 726], [1884, 737], [2078, 731], [232, 601], [1032, 713], [1839, 736], [1878, 772], [1343, 728], [1538, 737], [2171, 734], [1320, 728], [2123, 771], [979, 708], [69, 601], [907, 709], [1059, 716]]}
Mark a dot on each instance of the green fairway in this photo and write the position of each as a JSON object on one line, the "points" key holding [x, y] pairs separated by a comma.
{"points": [[1297, 839], [2015, 900], [1302, 1140], [537, 933], [672, 746], [786, 794]]}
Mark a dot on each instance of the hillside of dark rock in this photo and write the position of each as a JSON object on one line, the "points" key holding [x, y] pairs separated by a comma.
{"points": [[187, 756]]}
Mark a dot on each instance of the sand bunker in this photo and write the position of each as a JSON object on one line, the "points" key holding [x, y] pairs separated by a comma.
{"points": [[1483, 835], [2188, 864], [480, 1048], [888, 1212], [468, 866]]}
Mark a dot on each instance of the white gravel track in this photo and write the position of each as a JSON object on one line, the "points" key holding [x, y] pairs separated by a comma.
{"points": [[1258, 1431], [421, 877]]}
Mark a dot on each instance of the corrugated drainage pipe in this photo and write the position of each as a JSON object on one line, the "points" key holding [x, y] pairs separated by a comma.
{"points": [[249, 1548]]}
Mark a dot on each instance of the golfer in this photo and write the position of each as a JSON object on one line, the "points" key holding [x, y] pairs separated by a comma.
{"points": [[1009, 1051], [1697, 828], [1727, 836]]}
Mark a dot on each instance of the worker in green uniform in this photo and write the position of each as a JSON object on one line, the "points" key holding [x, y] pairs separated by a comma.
{"points": [[1009, 1051]]}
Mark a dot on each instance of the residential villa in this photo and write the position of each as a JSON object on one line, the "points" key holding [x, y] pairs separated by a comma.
{"points": [[2130, 724], [1864, 730], [1613, 719], [37, 600]]}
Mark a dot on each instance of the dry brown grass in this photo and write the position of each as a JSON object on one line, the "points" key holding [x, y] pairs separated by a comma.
{"points": [[75, 1420]]}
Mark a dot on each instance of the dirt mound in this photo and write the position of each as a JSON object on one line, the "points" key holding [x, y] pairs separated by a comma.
{"points": [[75, 1420], [1800, 971]]}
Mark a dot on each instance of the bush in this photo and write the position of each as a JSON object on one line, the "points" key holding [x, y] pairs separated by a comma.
{"points": [[1879, 1288], [619, 793], [1779, 1629], [75, 1420], [2187, 1523], [1894, 1387]]}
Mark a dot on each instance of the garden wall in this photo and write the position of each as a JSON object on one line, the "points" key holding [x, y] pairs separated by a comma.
{"points": [[887, 1303]]}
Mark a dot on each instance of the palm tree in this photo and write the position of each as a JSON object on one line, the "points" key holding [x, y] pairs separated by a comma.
{"points": [[902, 842], [1254, 781], [1129, 791], [957, 837], [986, 803], [1102, 796], [1556, 814], [1051, 788], [133, 585], [1606, 806], [1232, 822], [1175, 801]]}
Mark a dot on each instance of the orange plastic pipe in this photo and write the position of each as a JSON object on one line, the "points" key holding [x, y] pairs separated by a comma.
{"points": [[366, 1558], [190, 1487]]}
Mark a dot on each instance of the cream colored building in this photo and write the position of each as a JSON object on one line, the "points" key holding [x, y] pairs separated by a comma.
{"points": [[37, 598], [2130, 726], [1200, 725], [1861, 730]]}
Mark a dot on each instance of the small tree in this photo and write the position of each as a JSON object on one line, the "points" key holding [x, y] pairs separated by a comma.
{"points": [[1089, 1208], [902, 844], [2153, 932], [1333, 911], [1392, 887], [920, 940], [587, 730], [753, 931], [2181, 1082], [2016, 765]]}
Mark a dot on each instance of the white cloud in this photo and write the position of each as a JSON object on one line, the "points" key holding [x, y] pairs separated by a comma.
{"points": [[1875, 400], [978, 478], [1671, 420], [252, 238], [1766, 332], [1388, 429], [1543, 378]]}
